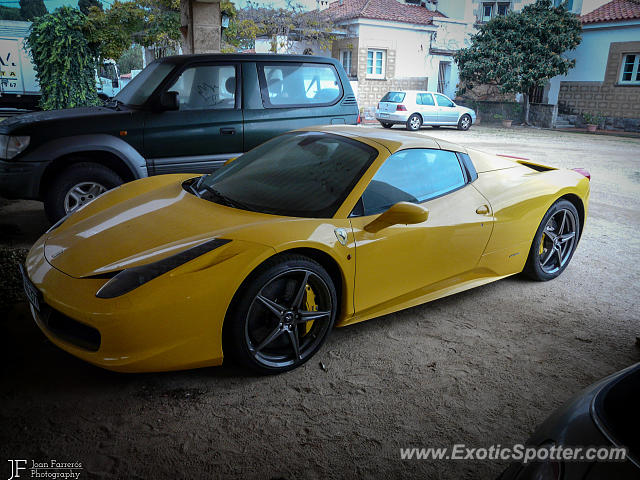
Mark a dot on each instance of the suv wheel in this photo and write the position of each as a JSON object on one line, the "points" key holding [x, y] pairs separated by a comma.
{"points": [[76, 186], [414, 122]]}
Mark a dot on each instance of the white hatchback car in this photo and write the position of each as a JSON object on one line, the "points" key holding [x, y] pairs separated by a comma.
{"points": [[414, 108]]}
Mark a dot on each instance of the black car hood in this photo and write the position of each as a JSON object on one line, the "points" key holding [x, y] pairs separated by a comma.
{"points": [[37, 118]]}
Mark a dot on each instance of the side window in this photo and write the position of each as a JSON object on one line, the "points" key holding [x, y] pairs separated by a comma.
{"points": [[206, 87], [414, 175], [443, 101], [425, 99], [299, 84]]}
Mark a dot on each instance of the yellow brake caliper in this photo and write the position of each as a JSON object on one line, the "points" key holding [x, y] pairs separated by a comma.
{"points": [[542, 244], [311, 307]]}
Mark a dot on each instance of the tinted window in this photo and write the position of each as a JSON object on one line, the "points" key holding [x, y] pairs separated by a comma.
{"points": [[393, 97], [414, 175], [425, 99], [206, 87], [299, 84], [138, 90], [302, 174], [444, 101]]}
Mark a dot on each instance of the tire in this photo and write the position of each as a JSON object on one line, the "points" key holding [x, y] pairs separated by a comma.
{"points": [[414, 122], [465, 122], [554, 243], [77, 185], [263, 331], [386, 124]]}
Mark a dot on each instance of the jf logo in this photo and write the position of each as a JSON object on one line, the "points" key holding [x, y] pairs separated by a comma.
{"points": [[16, 467]]}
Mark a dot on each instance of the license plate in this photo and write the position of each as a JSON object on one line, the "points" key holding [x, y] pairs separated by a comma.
{"points": [[384, 115], [32, 293]]}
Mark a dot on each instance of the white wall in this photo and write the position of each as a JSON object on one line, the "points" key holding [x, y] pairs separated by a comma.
{"points": [[410, 42], [592, 54]]}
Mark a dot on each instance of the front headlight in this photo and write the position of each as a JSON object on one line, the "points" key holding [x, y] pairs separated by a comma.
{"points": [[131, 278], [11, 145]]}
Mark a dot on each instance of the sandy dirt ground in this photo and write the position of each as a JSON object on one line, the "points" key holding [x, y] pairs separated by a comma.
{"points": [[479, 368]]}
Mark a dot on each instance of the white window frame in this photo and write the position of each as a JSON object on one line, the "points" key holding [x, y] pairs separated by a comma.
{"points": [[634, 72], [373, 73], [349, 54]]}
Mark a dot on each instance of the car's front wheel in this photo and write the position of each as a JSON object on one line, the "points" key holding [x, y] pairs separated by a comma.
{"points": [[555, 242], [414, 122], [282, 315], [76, 186], [465, 122]]}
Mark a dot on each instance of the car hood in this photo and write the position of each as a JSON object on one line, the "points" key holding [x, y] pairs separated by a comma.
{"points": [[19, 122], [142, 222]]}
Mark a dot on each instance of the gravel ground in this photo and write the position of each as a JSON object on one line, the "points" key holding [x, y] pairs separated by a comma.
{"points": [[478, 368]]}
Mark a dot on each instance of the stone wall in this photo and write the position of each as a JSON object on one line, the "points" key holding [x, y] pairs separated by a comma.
{"points": [[609, 98], [487, 111], [543, 115]]}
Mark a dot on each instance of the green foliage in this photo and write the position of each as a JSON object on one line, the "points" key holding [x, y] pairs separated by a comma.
{"points": [[518, 51], [32, 9], [63, 60], [85, 5], [130, 60], [592, 118], [145, 22], [10, 13]]}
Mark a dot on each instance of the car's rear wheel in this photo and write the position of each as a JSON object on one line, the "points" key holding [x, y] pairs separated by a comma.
{"points": [[555, 242], [465, 122], [282, 315], [386, 124], [414, 122], [76, 186]]}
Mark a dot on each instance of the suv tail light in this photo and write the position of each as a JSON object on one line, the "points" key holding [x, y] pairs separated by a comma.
{"points": [[401, 108], [583, 171]]}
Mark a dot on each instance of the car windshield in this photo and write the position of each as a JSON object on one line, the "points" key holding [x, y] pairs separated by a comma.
{"points": [[300, 174], [393, 97], [138, 90]]}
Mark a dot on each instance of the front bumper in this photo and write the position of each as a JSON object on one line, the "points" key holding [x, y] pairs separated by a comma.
{"points": [[20, 179], [173, 322]]}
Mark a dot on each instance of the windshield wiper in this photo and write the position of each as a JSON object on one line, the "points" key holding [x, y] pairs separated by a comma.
{"points": [[230, 202]]}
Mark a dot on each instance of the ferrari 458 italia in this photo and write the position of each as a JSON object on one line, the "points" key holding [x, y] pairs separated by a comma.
{"points": [[313, 229]]}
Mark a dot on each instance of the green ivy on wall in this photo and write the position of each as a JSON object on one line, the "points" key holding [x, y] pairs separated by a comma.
{"points": [[64, 63]]}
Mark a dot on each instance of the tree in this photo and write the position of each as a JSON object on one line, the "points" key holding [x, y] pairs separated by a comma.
{"points": [[10, 13], [32, 9], [131, 59], [519, 51], [282, 25], [150, 23], [85, 5], [63, 61]]}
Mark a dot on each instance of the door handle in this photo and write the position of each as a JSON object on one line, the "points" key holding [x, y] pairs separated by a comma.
{"points": [[482, 210], [228, 131]]}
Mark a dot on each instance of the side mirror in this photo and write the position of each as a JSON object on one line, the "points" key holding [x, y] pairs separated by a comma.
{"points": [[400, 213], [169, 101]]}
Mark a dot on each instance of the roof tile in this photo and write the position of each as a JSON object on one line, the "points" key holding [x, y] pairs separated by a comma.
{"points": [[613, 11], [390, 10]]}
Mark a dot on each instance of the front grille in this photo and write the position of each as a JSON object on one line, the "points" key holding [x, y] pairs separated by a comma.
{"points": [[69, 330]]}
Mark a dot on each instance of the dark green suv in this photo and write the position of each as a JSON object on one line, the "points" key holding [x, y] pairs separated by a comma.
{"points": [[180, 114]]}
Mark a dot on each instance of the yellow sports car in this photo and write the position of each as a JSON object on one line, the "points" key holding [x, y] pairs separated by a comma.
{"points": [[315, 228]]}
